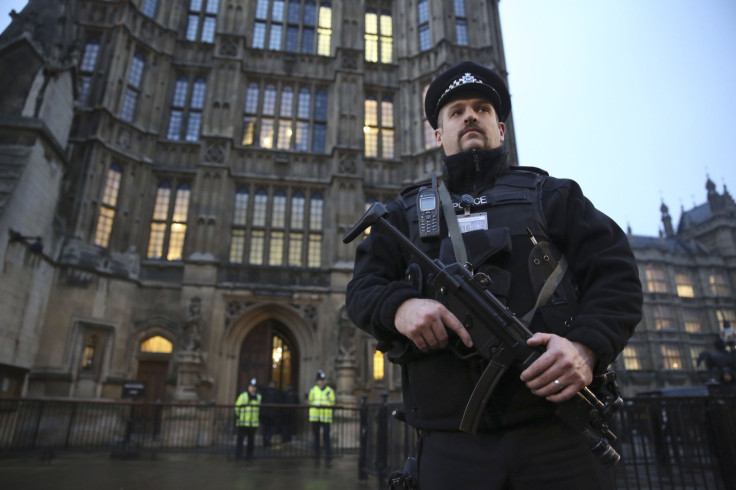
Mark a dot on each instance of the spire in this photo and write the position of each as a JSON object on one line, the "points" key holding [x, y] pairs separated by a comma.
{"points": [[666, 220]]}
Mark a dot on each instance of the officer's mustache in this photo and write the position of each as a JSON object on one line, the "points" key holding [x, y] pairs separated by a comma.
{"points": [[470, 127]]}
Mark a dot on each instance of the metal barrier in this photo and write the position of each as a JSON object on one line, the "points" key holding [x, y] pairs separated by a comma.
{"points": [[667, 443], [129, 429], [664, 442]]}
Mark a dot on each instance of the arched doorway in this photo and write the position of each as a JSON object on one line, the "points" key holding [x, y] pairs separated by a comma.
{"points": [[268, 353]]}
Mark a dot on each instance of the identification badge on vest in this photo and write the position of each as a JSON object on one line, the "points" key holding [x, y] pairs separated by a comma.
{"points": [[472, 222]]}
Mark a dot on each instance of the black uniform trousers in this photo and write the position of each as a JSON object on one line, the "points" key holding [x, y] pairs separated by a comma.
{"points": [[541, 456], [243, 433]]}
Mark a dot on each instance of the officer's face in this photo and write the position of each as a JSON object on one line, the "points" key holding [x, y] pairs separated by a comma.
{"points": [[467, 123]]}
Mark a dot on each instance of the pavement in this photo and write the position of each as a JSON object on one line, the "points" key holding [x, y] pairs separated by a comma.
{"points": [[75, 471]]}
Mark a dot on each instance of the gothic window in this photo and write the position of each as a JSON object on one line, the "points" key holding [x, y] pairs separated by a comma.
{"points": [[108, 205], [671, 357], [314, 250], [379, 41], [169, 222], [258, 236], [461, 23], [157, 345], [378, 129], [149, 8], [278, 227], [287, 120], [240, 217], [663, 318], [281, 357], [274, 234], [201, 22], [656, 282], [691, 319], [324, 29], [718, 284], [88, 353], [185, 119], [87, 67], [296, 233], [133, 88], [684, 284], [290, 26], [423, 17], [632, 361]]}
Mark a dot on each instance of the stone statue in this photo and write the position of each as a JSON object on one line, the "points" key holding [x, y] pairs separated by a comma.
{"points": [[191, 338]]}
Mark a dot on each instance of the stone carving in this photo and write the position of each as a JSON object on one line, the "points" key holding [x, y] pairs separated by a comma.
{"points": [[191, 338]]}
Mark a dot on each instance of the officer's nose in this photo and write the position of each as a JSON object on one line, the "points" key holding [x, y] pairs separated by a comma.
{"points": [[470, 116]]}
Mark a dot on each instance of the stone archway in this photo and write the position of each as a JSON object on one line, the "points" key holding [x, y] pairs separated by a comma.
{"points": [[268, 353], [289, 325]]}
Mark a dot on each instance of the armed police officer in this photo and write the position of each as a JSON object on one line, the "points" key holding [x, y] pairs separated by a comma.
{"points": [[523, 229]]}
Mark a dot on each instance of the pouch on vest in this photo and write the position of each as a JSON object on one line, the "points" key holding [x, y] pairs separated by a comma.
{"points": [[542, 262], [488, 250]]}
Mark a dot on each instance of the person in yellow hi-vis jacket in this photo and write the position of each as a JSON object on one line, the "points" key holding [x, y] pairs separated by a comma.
{"points": [[247, 407], [320, 396]]}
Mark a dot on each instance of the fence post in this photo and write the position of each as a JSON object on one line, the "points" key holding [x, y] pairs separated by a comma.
{"points": [[363, 455], [382, 440]]}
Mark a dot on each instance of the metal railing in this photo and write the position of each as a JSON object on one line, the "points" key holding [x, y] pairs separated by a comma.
{"points": [[665, 442], [129, 429]]}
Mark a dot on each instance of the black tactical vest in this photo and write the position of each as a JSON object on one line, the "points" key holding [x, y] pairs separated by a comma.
{"points": [[514, 202]]}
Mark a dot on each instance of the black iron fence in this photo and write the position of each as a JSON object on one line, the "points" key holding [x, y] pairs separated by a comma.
{"points": [[665, 443]]}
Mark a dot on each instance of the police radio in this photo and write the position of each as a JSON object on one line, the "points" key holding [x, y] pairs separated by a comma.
{"points": [[428, 210]]}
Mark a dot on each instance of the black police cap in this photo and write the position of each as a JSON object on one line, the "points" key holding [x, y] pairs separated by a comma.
{"points": [[462, 78]]}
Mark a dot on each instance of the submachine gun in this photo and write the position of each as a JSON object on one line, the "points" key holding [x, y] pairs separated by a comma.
{"points": [[499, 337]]}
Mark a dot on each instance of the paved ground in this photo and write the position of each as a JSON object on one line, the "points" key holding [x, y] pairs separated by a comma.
{"points": [[179, 472]]}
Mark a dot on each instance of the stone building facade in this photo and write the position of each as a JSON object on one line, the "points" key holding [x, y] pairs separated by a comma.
{"points": [[689, 275], [190, 168], [176, 177]]}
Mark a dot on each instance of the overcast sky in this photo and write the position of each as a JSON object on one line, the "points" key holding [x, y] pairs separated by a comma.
{"points": [[634, 99]]}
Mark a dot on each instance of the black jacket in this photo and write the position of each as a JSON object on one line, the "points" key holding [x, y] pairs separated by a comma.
{"points": [[437, 385]]}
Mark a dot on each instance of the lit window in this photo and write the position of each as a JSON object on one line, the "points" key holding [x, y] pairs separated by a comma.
{"points": [[88, 354], [378, 366], [275, 232], [324, 31], [378, 37], [378, 129], [685, 287], [107, 206], [672, 357], [691, 318], [169, 222], [663, 319], [157, 345], [656, 282], [631, 359], [285, 132]]}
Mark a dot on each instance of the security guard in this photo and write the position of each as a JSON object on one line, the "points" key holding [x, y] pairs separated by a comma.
{"points": [[321, 396], [247, 408], [515, 221]]}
